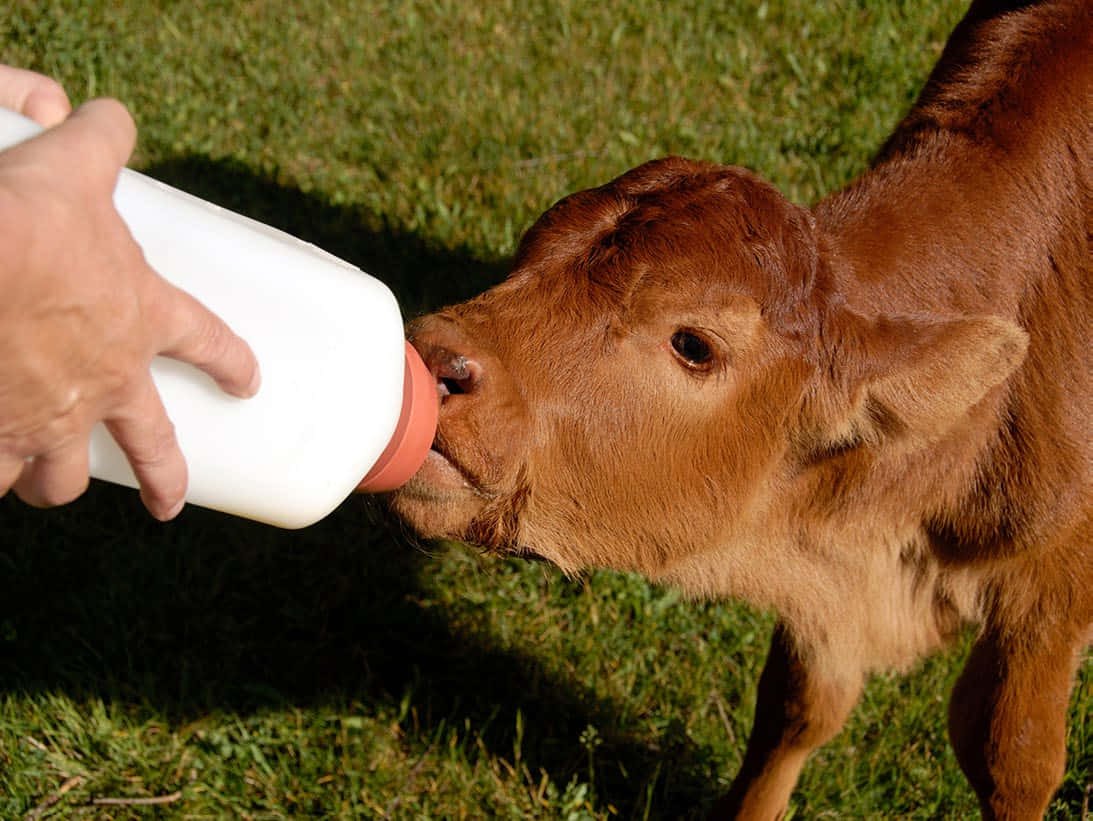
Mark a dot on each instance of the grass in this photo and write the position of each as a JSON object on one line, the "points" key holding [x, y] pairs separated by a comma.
{"points": [[232, 670]]}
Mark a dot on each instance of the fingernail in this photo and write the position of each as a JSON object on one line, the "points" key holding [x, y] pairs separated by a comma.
{"points": [[174, 511], [255, 381]]}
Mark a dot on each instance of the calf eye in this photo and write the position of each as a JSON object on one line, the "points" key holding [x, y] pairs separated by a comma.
{"points": [[692, 349]]}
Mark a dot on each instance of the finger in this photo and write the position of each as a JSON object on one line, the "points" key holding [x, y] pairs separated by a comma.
{"points": [[10, 468], [116, 133], [34, 95], [54, 478], [196, 335], [147, 437], [48, 106], [90, 147]]}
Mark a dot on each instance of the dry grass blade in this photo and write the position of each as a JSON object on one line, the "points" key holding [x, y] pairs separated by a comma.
{"points": [[53, 798], [139, 802]]}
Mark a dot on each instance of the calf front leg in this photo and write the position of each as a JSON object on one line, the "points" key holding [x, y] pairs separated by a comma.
{"points": [[801, 704], [1007, 719]]}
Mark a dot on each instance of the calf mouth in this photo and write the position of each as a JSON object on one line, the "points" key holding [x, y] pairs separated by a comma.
{"points": [[444, 478], [441, 470]]}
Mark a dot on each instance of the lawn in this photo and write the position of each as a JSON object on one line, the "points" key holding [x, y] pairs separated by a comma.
{"points": [[224, 669]]}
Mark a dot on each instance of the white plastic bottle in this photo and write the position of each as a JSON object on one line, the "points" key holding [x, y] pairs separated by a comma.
{"points": [[343, 395]]}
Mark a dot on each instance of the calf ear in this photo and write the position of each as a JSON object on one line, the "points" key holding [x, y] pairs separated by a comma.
{"points": [[919, 376]]}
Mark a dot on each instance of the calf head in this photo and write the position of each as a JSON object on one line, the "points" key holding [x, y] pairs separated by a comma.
{"points": [[667, 359]]}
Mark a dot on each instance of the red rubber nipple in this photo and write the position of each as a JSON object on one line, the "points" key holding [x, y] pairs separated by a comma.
{"points": [[413, 436]]}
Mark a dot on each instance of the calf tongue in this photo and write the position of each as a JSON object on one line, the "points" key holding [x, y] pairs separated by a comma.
{"points": [[414, 434]]}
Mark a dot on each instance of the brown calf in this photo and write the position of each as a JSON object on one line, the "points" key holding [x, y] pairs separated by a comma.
{"points": [[873, 416]]}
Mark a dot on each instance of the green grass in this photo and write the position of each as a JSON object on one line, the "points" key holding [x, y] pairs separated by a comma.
{"points": [[339, 671]]}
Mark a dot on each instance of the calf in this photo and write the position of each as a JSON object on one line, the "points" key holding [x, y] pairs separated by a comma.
{"points": [[872, 416]]}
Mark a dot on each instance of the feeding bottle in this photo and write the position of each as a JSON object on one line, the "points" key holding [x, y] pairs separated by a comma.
{"points": [[343, 395]]}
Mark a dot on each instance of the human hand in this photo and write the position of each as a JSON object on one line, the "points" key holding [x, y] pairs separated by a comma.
{"points": [[33, 95], [83, 315]]}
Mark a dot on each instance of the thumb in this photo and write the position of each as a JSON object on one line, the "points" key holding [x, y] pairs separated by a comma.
{"points": [[89, 148], [107, 133]]}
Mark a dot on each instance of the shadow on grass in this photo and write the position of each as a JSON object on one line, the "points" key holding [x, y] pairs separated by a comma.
{"points": [[214, 613]]}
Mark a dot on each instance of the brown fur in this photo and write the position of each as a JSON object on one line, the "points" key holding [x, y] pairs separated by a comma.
{"points": [[892, 434]]}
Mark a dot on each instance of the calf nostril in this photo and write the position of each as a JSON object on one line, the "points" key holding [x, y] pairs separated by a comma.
{"points": [[448, 386], [455, 374]]}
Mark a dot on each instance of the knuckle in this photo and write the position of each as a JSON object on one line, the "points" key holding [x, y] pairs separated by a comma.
{"points": [[159, 448], [65, 426], [160, 467], [212, 340], [118, 384]]}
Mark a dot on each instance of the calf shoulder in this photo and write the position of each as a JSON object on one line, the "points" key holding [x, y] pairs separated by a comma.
{"points": [[981, 204]]}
